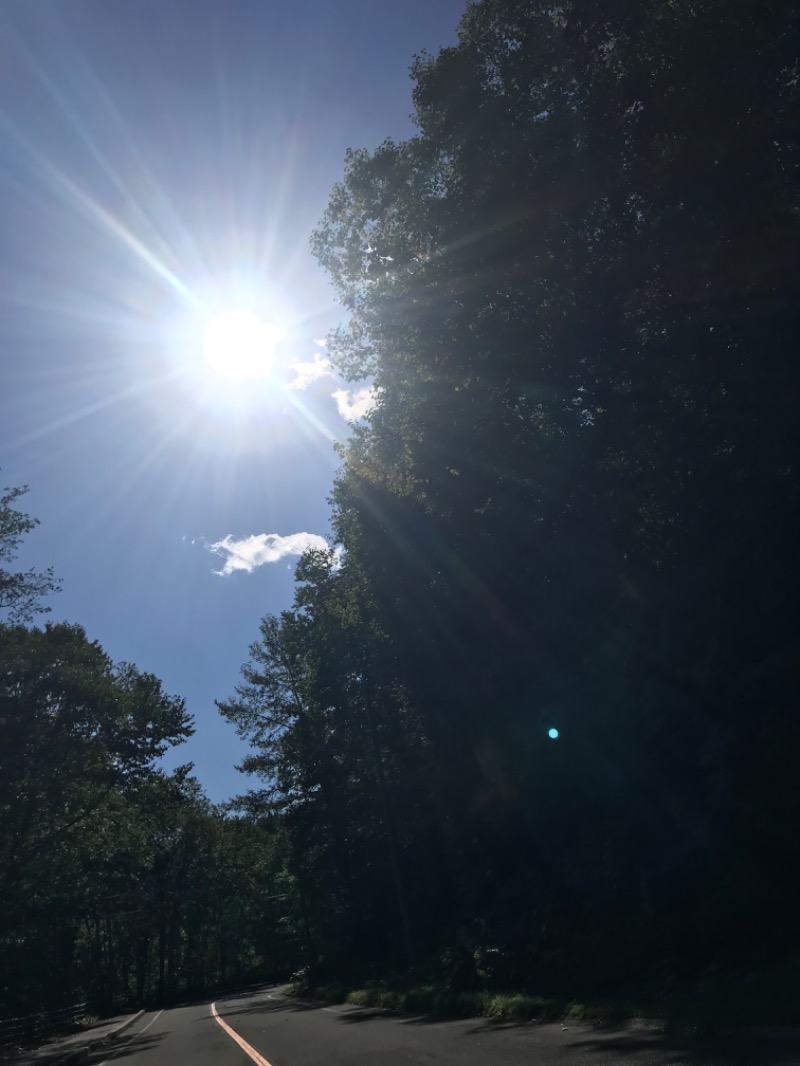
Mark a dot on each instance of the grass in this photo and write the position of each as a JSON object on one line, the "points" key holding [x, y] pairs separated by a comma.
{"points": [[441, 1001], [763, 997], [86, 1021]]}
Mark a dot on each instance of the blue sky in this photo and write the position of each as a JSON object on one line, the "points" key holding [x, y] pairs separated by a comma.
{"points": [[161, 162]]}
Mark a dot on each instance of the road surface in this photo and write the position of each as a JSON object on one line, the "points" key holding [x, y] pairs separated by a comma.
{"points": [[266, 1029]]}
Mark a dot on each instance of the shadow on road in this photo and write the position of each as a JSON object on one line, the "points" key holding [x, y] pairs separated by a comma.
{"points": [[364, 1014], [745, 1048], [125, 1047], [484, 1026], [262, 1006], [219, 996], [739, 1049], [481, 1025]]}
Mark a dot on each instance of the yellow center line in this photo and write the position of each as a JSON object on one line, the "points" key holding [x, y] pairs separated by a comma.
{"points": [[259, 1060]]}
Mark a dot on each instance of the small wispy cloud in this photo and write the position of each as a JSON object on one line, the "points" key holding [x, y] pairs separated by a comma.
{"points": [[247, 553], [310, 371], [320, 342], [352, 406]]}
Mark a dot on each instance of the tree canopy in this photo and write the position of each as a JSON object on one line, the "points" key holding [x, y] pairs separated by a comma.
{"points": [[20, 591]]}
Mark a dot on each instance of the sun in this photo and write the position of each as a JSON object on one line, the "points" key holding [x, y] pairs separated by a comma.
{"points": [[239, 345]]}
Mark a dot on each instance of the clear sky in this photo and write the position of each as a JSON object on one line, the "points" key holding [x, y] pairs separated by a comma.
{"points": [[161, 162]]}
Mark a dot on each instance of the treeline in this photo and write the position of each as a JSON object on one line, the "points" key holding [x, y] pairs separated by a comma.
{"points": [[573, 508], [119, 884]]}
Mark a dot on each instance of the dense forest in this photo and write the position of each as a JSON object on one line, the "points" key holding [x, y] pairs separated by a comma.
{"points": [[534, 721]]}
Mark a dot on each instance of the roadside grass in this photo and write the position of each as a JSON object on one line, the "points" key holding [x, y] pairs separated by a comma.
{"points": [[443, 1002], [86, 1021], [763, 997]]}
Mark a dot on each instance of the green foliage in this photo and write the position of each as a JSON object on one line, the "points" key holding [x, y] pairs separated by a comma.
{"points": [[72, 727], [443, 1001], [20, 591]]}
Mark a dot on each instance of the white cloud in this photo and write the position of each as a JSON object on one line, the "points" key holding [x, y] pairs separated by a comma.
{"points": [[310, 371], [250, 552], [321, 342], [355, 406]]}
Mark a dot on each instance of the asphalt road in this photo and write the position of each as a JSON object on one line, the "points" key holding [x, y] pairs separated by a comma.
{"points": [[266, 1029]]}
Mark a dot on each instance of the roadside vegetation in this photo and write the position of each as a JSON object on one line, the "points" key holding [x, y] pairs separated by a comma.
{"points": [[762, 997]]}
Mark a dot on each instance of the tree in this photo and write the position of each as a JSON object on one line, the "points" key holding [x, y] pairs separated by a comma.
{"points": [[21, 591], [72, 728], [332, 746]]}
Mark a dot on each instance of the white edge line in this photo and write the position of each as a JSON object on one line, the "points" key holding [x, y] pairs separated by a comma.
{"points": [[110, 1057], [115, 1033], [246, 1048], [153, 1019]]}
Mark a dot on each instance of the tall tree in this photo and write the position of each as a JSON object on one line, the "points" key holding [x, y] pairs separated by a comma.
{"points": [[72, 728], [332, 744]]}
